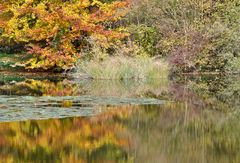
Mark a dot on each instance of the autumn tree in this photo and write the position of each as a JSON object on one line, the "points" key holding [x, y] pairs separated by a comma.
{"points": [[54, 32]]}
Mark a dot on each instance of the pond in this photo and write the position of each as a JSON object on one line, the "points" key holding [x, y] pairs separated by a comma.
{"points": [[60, 118]]}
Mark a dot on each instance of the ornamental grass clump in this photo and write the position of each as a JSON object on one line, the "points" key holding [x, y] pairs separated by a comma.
{"points": [[124, 68]]}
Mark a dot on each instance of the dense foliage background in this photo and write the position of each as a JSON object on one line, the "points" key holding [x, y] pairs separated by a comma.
{"points": [[194, 36]]}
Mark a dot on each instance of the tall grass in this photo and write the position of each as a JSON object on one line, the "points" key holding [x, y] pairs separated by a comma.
{"points": [[122, 68]]}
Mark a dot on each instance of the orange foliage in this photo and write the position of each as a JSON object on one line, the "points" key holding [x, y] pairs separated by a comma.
{"points": [[54, 32], [83, 137]]}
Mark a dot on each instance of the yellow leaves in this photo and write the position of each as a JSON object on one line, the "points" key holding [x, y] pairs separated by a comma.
{"points": [[84, 3], [2, 24], [40, 8], [96, 3], [28, 1], [54, 27]]}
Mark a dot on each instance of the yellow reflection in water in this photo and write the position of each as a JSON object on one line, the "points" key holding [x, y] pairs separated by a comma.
{"points": [[74, 139]]}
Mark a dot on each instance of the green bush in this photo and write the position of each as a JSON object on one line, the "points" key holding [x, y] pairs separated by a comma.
{"points": [[146, 37], [194, 35]]}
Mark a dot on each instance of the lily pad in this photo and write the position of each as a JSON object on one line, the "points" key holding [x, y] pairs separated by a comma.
{"points": [[19, 108]]}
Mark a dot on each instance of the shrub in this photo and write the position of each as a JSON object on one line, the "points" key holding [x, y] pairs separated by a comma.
{"points": [[194, 35]]}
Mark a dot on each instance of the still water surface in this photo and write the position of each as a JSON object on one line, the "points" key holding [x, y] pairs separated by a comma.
{"points": [[63, 119]]}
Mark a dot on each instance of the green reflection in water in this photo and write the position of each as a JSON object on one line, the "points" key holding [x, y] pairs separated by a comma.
{"points": [[177, 133]]}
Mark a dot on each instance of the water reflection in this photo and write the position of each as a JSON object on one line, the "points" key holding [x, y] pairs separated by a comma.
{"points": [[31, 87], [66, 140], [177, 133], [197, 122], [25, 97], [73, 87], [165, 133]]}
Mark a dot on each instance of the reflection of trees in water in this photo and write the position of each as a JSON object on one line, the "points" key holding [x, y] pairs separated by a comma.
{"points": [[218, 92], [201, 124], [169, 132], [175, 133], [33, 87], [87, 87], [194, 127], [100, 138], [186, 129], [222, 88], [130, 88]]}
